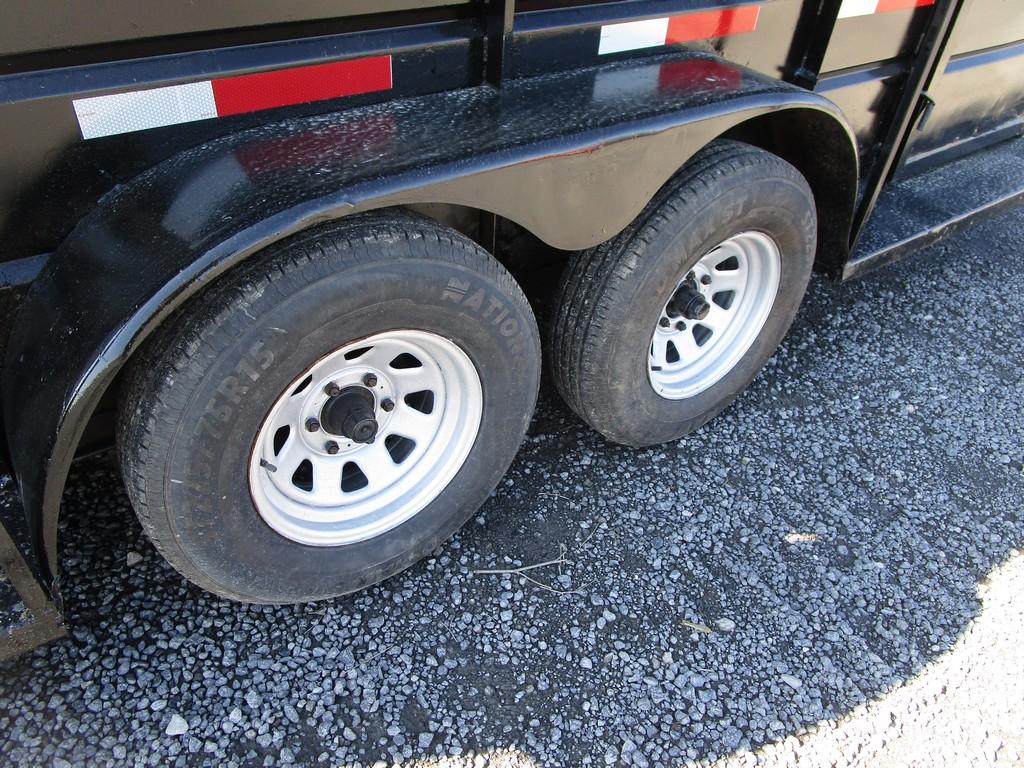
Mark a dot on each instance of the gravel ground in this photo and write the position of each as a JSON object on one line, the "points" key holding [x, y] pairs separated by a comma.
{"points": [[829, 572]]}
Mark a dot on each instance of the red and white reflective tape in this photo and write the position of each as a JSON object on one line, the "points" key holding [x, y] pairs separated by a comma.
{"points": [[173, 104], [700, 25], [851, 8]]}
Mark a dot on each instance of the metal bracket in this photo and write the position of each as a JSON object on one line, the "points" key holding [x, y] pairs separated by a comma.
{"points": [[924, 110]]}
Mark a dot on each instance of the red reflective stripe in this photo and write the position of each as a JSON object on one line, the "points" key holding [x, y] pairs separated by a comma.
{"points": [[299, 85], [705, 24], [899, 5]]}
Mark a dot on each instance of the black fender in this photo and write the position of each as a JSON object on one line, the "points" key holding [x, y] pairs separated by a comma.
{"points": [[573, 157]]}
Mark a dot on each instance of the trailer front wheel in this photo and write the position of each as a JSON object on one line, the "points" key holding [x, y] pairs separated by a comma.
{"points": [[661, 327], [331, 411]]}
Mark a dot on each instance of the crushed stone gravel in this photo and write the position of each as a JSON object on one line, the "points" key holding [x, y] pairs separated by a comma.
{"points": [[828, 573]]}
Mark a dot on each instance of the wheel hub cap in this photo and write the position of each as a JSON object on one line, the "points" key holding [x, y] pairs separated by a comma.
{"points": [[689, 303], [350, 414]]}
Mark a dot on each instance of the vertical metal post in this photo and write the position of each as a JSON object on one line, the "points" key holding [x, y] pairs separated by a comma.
{"points": [[811, 39], [500, 18]]}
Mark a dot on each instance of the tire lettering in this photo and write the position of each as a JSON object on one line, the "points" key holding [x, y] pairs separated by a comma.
{"points": [[232, 390], [488, 306], [509, 327], [476, 300], [223, 412], [492, 305], [456, 290], [262, 357]]}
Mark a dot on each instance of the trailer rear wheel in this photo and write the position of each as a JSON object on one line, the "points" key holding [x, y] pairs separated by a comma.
{"points": [[328, 413], [658, 329]]}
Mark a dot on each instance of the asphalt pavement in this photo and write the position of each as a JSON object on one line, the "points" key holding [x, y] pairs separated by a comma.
{"points": [[828, 573]]}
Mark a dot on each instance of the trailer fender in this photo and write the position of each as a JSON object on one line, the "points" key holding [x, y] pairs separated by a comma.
{"points": [[573, 157]]}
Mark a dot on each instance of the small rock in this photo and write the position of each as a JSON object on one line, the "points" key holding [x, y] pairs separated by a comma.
{"points": [[726, 625], [177, 726], [132, 558], [793, 682]]}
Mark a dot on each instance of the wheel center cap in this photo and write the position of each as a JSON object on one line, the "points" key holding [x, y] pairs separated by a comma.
{"points": [[350, 413], [688, 302]]}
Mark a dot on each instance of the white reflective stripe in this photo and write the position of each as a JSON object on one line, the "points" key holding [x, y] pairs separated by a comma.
{"points": [[135, 111], [632, 35], [857, 8]]}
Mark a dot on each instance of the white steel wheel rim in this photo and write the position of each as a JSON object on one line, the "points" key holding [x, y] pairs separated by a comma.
{"points": [[738, 280], [314, 496]]}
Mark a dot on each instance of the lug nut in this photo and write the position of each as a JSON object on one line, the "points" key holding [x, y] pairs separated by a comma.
{"points": [[331, 447], [387, 405], [680, 326], [332, 390], [705, 280], [312, 425], [664, 322], [370, 380]]}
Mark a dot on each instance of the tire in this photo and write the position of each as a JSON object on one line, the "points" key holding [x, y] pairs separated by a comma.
{"points": [[614, 299], [198, 412]]}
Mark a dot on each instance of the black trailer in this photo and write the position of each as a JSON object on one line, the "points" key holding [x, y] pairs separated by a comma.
{"points": [[273, 251]]}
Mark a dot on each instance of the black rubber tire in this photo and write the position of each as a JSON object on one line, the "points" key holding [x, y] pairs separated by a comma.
{"points": [[610, 296], [200, 388]]}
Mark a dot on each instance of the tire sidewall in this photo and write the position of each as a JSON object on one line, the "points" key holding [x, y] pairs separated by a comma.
{"points": [[207, 498], [779, 206]]}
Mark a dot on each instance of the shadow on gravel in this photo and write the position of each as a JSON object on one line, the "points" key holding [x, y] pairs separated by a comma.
{"points": [[813, 547]]}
